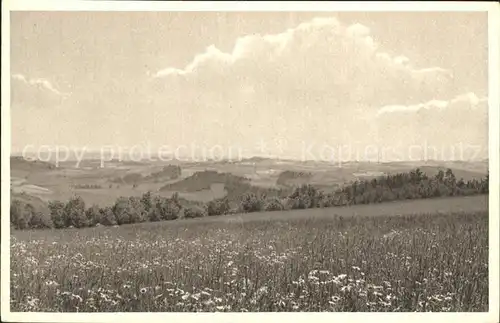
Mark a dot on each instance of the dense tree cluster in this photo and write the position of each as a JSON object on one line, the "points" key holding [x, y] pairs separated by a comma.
{"points": [[218, 207], [289, 176], [127, 210], [74, 213], [24, 216], [168, 172], [402, 186]]}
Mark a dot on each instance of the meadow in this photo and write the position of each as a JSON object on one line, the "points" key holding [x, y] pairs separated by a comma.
{"points": [[359, 262]]}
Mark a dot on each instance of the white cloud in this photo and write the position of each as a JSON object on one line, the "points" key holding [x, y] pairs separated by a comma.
{"points": [[319, 81], [413, 108], [31, 94], [459, 122], [468, 101], [38, 83], [319, 54]]}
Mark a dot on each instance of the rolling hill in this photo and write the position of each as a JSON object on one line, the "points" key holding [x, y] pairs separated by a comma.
{"points": [[202, 181]]}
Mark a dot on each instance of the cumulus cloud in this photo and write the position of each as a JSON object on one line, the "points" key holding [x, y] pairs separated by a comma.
{"points": [[321, 54], [319, 81], [447, 126]]}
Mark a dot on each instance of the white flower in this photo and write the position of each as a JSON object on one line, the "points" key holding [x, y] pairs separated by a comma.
{"points": [[346, 288], [209, 302], [335, 298], [51, 283], [386, 304], [77, 297]]}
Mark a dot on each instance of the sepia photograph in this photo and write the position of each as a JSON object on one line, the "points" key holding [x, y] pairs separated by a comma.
{"points": [[205, 157]]}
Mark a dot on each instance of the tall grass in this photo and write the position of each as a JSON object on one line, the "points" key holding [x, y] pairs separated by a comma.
{"points": [[391, 263]]}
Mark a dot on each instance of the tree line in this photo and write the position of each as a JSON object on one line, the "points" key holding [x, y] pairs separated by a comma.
{"points": [[150, 208]]}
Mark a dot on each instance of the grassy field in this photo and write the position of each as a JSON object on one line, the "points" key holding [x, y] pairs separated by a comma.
{"points": [[413, 262]]}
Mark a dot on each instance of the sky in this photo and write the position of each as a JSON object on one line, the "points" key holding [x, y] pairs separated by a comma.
{"points": [[281, 84]]}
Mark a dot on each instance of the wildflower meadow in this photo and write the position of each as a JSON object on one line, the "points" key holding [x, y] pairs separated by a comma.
{"points": [[420, 262]]}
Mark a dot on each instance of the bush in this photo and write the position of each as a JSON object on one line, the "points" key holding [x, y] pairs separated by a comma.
{"points": [[252, 203], [147, 201], [138, 213], [57, 214], [305, 197], [194, 212], [24, 216], [40, 221], [273, 204], [93, 214], [327, 200], [218, 207], [165, 208], [107, 216], [155, 212], [74, 213], [129, 210], [18, 216]]}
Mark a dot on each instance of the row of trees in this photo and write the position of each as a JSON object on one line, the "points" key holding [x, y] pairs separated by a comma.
{"points": [[74, 213], [149, 207], [402, 186]]}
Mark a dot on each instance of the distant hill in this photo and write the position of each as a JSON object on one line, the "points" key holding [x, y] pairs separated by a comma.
{"points": [[18, 163], [167, 173], [256, 159], [203, 181], [291, 178]]}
